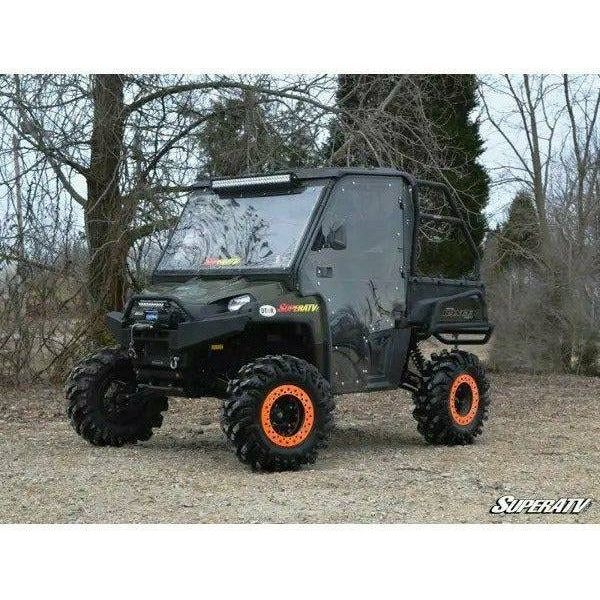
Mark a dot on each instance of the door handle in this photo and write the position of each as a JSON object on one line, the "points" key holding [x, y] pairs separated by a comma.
{"points": [[324, 271]]}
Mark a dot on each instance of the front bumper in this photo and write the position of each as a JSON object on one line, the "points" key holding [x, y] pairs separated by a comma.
{"points": [[186, 334]]}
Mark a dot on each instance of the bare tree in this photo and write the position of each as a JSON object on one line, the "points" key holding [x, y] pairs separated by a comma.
{"points": [[550, 126], [130, 141], [89, 167]]}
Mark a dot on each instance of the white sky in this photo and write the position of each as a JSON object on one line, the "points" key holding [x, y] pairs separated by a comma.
{"points": [[495, 154]]}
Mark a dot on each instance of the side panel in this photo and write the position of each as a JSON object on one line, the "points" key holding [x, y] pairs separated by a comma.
{"points": [[362, 284]]}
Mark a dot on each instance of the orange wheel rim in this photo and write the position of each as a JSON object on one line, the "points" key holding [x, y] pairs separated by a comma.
{"points": [[292, 395], [460, 386]]}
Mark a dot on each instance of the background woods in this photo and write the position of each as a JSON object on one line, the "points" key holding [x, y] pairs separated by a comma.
{"points": [[544, 261], [94, 170]]}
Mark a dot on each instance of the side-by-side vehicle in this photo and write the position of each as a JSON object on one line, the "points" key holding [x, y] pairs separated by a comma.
{"points": [[278, 292]]}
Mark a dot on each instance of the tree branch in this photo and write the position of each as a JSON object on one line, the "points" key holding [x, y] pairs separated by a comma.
{"points": [[141, 231], [216, 85]]}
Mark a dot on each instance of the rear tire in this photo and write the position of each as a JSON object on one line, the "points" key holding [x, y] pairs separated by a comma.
{"points": [[453, 401], [279, 413], [99, 409]]}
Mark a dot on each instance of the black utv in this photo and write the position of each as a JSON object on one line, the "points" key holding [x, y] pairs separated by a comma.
{"points": [[276, 293]]}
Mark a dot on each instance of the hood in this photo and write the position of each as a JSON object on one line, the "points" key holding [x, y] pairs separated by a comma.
{"points": [[204, 291]]}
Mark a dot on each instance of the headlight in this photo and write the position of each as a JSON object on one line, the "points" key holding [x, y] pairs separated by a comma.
{"points": [[236, 303]]}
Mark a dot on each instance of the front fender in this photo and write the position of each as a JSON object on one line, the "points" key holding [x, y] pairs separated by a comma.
{"points": [[190, 333]]}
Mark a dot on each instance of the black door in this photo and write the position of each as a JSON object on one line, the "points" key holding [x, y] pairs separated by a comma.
{"points": [[356, 264]]}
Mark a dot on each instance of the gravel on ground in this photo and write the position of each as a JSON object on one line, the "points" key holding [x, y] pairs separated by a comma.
{"points": [[542, 441]]}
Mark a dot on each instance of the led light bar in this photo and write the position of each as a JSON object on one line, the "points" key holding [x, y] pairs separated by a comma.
{"points": [[265, 180], [151, 303]]}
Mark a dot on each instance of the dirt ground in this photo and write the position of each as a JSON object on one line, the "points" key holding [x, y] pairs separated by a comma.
{"points": [[542, 441]]}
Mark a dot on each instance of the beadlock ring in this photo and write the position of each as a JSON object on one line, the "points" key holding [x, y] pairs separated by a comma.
{"points": [[287, 441], [458, 417]]}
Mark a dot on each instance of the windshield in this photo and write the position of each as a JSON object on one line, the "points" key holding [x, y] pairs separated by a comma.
{"points": [[258, 232]]}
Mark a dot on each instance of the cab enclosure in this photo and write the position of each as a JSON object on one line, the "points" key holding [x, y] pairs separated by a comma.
{"points": [[347, 269]]}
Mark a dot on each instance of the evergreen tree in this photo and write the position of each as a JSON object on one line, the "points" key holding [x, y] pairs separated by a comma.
{"points": [[519, 238], [234, 140], [247, 135]]}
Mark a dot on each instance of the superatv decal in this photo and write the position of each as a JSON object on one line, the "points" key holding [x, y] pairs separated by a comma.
{"points": [[222, 262], [298, 308]]}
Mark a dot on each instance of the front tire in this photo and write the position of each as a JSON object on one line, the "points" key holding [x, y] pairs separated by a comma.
{"points": [[100, 407], [279, 413], [453, 401]]}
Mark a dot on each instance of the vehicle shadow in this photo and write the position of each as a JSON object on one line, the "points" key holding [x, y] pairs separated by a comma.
{"points": [[342, 438], [356, 437], [191, 439]]}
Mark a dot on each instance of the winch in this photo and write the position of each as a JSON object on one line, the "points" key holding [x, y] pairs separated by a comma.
{"points": [[150, 323], [157, 313]]}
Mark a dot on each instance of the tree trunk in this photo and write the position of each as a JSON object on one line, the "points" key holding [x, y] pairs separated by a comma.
{"points": [[105, 218]]}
